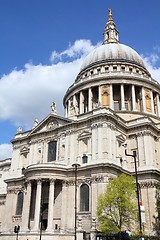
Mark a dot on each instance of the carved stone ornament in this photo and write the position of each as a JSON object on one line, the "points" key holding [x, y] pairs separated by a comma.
{"points": [[52, 124], [15, 190], [16, 218], [96, 125], [148, 184], [2, 202]]}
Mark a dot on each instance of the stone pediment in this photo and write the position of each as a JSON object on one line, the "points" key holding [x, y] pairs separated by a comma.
{"points": [[51, 122], [84, 134], [24, 149], [120, 138]]}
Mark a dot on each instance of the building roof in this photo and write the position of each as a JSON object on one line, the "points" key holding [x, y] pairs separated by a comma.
{"points": [[110, 52]]}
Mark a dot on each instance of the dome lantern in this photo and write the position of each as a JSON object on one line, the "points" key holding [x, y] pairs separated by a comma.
{"points": [[110, 32]]}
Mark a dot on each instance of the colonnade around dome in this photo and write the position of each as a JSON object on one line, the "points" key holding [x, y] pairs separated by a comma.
{"points": [[124, 95]]}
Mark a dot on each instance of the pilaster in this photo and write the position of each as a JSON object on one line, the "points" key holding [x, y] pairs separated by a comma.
{"points": [[111, 97], [26, 207]]}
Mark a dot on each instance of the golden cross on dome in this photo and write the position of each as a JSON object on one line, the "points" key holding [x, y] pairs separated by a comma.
{"points": [[110, 14]]}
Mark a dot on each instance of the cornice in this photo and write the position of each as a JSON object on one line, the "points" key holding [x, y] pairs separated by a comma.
{"points": [[15, 189]]}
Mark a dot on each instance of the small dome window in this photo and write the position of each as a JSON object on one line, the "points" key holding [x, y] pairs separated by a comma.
{"points": [[107, 69], [114, 68], [98, 70], [123, 68]]}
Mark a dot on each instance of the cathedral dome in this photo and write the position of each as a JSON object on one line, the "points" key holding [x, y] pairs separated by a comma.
{"points": [[112, 52]]}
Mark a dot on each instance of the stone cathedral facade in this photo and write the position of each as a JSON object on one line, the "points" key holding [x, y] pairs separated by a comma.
{"points": [[114, 101]]}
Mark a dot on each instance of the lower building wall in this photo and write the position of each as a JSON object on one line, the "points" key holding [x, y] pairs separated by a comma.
{"points": [[37, 237]]}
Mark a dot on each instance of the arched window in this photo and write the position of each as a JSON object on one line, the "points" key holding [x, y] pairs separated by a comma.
{"points": [[84, 198], [19, 203]]}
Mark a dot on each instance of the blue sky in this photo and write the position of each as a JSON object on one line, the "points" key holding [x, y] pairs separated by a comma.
{"points": [[42, 46]]}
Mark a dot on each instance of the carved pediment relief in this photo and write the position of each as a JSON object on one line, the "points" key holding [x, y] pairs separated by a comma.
{"points": [[52, 124]]}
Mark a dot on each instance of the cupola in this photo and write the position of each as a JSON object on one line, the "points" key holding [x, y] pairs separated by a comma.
{"points": [[110, 32]]}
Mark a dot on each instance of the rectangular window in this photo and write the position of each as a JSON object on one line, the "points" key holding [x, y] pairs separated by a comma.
{"points": [[33, 201], [126, 106], [52, 150], [116, 106]]}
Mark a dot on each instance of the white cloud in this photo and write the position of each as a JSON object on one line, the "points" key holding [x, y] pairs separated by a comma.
{"points": [[150, 63], [5, 151], [79, 49], [28, 93], [157, 48]]}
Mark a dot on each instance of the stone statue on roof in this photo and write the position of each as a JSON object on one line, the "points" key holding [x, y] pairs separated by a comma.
{"points": [[53, 108]]}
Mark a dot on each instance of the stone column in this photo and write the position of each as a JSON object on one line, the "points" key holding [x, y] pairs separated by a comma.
{"points": [[133, 98], [81, 103], [158, 105], [26, 208], [143, 100], [37, 206], [90, 99], [148, 149], [94, 138], [152, 103], [89, 150], [64, 206], [51, 205], [74, 104], [99, 96], [66, 148], [100, 141], [109, 134], [66, 110], [122, 98], [69, 107], [111, 97]]}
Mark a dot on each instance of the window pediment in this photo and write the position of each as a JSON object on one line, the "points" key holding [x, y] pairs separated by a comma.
{"points": [[84, 135], [120, 138], [24, 150]]}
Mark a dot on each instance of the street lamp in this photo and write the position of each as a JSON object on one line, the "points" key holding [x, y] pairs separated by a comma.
{"points": [[75, 165], [16, 230], [137, 189]]}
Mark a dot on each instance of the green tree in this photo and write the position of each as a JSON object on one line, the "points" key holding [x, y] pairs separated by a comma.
{"points": [[117, 206]]}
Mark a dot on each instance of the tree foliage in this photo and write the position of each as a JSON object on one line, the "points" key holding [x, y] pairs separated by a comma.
{"points": [[117, 206]]}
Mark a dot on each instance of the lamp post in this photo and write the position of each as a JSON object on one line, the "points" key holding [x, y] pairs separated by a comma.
{"points": [[75, 165], [137, 189]]}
